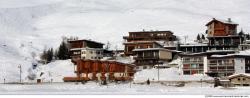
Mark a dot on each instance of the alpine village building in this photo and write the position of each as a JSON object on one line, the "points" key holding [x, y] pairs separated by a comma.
{"points": [[218, 56], [221, 58], [147, 48], [87, 55]]}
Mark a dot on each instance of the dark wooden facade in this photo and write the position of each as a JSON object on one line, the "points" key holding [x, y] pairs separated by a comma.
{"points": [[221, 27], [130, 46], [103, 70], [150, 36], [85, 43], [75, 47], [139, 39]]}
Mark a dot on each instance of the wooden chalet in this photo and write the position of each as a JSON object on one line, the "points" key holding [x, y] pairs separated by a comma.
{"points": [[241, 79], [222, 34], [80, 48], [149, 57], [130, 46], [145, 36], [101, 70], [218, 27]]}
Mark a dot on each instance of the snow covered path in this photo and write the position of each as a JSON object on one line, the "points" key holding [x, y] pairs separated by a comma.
{"points": [[94, 88]]}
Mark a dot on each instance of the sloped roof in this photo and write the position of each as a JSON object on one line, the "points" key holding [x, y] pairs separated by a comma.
{"points": [[229, 21], [237, 75], [86, 41], [150, 49]]}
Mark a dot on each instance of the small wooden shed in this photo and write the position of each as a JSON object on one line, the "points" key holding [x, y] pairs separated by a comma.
{"points": [[242, 79]]}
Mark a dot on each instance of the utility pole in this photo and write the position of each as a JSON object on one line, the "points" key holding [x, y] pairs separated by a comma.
{"points": [[158, 72], [185, 37], [20, 70]]}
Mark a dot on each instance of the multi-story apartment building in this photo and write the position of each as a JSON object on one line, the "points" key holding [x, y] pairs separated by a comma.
{"points": [[197, 63], [226, 65], [193, 64], [150, 57], [85, 49], [222, 35], [145, 39]]}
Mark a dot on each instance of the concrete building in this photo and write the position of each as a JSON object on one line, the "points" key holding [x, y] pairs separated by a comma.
{"points": [[85, 49], [137, 40], [197, 63], [150, 57]]}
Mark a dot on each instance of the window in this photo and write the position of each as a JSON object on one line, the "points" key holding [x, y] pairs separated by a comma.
{"points": [[238, 79], [137, 67], [186, 72], [244, 79]]}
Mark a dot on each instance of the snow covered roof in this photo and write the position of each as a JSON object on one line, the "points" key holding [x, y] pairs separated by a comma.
{"points": [[229, 21], [150, 49], [86, 49], [239, 74], [140, 42], [85, 40], [152, 32], [223, 36]]}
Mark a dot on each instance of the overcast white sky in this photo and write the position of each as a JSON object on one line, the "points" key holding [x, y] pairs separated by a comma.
{"points": [[109, 20]]}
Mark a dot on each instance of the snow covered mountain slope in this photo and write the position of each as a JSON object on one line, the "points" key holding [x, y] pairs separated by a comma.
{"points": [[28, 26]]}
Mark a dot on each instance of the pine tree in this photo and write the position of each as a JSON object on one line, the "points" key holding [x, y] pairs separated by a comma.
{"points": [[107, 45], [198, 37], [44, 55], [247, 36], [50, 55], [63, 51], [203, 37]]}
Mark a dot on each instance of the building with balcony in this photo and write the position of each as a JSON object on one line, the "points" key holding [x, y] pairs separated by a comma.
{"points": [[197, 63], [151, 57], [146, 39], [226, 65], [222, 35], [85, 49]]}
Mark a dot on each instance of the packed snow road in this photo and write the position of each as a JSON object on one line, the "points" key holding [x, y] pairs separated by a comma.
{"points": [[194, 88]]}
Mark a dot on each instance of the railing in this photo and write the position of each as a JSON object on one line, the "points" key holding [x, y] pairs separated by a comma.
{"points": [[140, 58], [189, 62], [225, 64]]}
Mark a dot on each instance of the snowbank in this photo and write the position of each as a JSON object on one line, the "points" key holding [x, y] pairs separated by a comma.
{"points": [[169, 74], [52, 72]]}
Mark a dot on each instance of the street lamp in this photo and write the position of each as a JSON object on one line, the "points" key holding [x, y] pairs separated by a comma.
{"points": [[20, 70]]}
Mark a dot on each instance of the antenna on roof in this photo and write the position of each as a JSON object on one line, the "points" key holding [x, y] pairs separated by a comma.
{"points": [[229, 20]]}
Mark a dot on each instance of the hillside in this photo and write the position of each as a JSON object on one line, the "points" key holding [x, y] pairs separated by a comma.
{"points": [[29, 26]]}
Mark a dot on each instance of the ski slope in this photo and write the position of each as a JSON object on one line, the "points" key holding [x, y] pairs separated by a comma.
{"points": [[29, 26]]}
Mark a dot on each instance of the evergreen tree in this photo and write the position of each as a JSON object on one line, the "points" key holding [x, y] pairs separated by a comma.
{"points": [[241, 33], [63, 51], [203, 37], [198, 37], [247, 36], [50, 55], [44, 55], [107, 45]]}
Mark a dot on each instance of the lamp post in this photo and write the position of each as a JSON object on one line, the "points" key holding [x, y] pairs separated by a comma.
{"points": [[20, 70]]}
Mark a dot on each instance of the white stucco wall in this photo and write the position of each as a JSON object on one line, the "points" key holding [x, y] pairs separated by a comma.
{"points": [[239, 65]]}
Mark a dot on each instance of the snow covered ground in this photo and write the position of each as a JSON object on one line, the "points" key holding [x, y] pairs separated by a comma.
{"points": [[29, 26], [194, 88], [169, 74]]}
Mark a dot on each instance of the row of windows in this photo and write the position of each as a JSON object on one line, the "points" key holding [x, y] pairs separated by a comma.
{"points": [[91, 52], [93, 57]]}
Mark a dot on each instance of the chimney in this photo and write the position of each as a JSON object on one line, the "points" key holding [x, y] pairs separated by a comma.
{"points": [[229, 20]]}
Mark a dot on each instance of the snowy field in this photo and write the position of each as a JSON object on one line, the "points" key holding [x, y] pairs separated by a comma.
{"points": [[194, 88]]}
